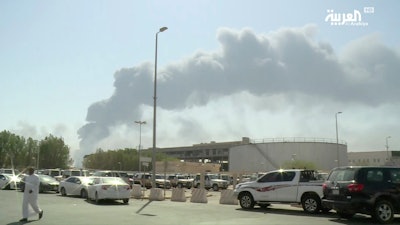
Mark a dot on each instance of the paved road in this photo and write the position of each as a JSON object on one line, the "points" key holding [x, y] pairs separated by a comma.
{"points": [[60, 210]]}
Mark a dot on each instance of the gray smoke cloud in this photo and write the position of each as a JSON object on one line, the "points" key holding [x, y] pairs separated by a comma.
{"points": [[288, 64]]}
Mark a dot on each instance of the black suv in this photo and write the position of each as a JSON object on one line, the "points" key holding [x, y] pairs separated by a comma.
{"points": [[369, 190]]}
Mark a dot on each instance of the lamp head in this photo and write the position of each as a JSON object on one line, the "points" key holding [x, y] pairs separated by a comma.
{"points": [[162, 29]]}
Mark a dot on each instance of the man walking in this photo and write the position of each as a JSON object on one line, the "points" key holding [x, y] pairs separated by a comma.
{"points": [[31, 193]]}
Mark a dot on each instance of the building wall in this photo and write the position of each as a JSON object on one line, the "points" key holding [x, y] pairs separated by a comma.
{"points": [[173, 167], [374, 158], [270, 156]]}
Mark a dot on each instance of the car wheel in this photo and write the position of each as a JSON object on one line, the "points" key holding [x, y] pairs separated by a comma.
{"points": [[84, 193], [383, 211], [246, 200], [311, 204], [96, 198], [63, 193], [126, 200], [215, 187]]}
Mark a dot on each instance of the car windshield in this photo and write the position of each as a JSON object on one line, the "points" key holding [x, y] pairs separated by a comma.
{"points": [[46, 178], [122, 174], [213, 176], [9, 171], [100, 174], [342, 175], [55, 173], [75, 173]]}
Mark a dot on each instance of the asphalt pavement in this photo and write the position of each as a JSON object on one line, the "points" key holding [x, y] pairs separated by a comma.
{"points": [[60, 210]]}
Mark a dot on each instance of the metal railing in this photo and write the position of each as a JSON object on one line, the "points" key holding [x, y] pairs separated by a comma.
{"points": [[296, 139]]}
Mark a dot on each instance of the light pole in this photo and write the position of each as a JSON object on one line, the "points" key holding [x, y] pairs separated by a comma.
{"points": [[387, 148], [337, 140], [140, 141], [38, 157], [153, 162]]}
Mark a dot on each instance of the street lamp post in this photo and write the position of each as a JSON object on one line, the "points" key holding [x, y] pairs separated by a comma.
{"points": [[38, 157], [153, 162], [140, 141], [337, 140], [387, 148]]}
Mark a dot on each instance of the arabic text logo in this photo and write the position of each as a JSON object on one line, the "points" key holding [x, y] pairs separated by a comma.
{"points": [[346, 19]]}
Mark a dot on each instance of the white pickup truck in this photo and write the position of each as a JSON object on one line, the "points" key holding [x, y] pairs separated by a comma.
{"points": [[282, 186]]}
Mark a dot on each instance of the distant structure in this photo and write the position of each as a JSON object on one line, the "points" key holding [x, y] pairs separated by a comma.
{"points": [[374, 158], [263, 155], [213, 152], [176, 167], [272, 154]]}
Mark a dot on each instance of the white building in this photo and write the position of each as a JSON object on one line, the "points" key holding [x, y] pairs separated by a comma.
{"points": [[271, 154]]}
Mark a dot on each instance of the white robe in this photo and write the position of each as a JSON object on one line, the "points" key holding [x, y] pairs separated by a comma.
{"points": [[32, 183]]}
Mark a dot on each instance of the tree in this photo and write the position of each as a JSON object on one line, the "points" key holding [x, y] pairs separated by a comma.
{"points": [[12, 151], [53, 153], [121, 159]]}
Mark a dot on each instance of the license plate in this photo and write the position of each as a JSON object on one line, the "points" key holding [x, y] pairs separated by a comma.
{"points": [[335, 192]]}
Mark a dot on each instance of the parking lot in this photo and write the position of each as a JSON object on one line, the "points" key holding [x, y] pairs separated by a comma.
{"points": [[74, 210]]}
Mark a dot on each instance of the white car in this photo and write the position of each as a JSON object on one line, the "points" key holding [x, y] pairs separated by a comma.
{"points": [[75, 185], [114, 188], [9, 181]]}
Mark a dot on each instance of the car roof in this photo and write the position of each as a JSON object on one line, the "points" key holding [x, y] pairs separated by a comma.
{"points": [[79, 177], [360, 167]]}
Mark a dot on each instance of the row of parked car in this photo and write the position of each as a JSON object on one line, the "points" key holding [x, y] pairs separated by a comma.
{"points": [[105, 184], [16, 181], [347, 190], [89, 187], [374, 191]]}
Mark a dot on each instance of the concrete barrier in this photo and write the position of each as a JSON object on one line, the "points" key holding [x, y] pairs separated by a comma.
{"points": [[228, 198], [199, 195], [137, 191], [156, 194], [178, 195]]}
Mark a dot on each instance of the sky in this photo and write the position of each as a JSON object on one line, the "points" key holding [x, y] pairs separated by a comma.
{"points": [[84, 71]]}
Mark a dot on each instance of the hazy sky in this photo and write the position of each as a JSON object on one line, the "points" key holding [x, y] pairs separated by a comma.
{"points": [[83, 70]]}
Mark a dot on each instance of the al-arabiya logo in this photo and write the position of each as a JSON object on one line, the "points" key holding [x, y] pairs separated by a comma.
{"points": [[348, 19]]}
